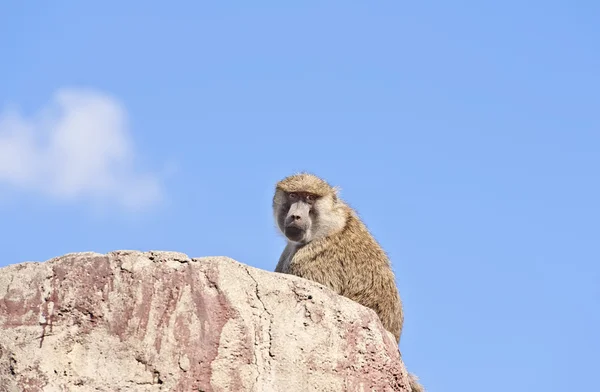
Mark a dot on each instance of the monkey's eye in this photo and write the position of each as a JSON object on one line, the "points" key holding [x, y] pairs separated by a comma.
{"points": [[310, 197], [293, 195]]}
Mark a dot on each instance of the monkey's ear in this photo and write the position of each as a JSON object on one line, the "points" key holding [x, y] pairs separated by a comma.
{"points": [[336, 192]]}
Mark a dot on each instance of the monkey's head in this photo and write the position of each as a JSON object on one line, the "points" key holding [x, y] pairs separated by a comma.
{"points": [[306, 207]]}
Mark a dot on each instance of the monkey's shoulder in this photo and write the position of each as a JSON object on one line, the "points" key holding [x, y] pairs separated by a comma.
{"points": [[356, 244]]}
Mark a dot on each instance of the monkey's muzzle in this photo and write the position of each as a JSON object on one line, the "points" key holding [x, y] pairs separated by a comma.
{"points": [[297, 221]]}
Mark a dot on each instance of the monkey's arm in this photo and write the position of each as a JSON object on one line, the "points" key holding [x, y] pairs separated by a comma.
{"points": [[283, 259]]}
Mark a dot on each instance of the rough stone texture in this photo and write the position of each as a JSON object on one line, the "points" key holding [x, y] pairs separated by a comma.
{"points": [[160, 321]]}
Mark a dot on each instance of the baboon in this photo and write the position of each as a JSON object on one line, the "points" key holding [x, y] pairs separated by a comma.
{"points": [[328, 243]]}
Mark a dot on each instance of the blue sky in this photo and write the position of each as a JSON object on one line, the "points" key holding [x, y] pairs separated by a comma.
{"points": [[466, 134]]}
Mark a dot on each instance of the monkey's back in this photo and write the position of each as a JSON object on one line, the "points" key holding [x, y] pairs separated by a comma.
{"points": [[354, 265]]}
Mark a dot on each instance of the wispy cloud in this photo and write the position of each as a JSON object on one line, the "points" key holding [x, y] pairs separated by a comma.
{"points": [[77, 147]]}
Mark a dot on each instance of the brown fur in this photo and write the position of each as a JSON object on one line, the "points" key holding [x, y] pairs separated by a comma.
{"points": [[340, 253], [305, 182]]}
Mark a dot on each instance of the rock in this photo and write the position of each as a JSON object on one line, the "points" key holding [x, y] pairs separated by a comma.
{"points": [[160, 321]]}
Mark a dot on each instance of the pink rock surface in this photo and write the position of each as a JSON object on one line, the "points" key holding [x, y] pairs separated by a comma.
{"points": [[160, 321]]}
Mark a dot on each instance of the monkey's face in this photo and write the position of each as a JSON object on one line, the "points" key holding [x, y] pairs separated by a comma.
{"points": [[296, 215]]}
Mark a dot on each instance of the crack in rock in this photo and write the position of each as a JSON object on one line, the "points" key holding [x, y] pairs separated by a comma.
{"points": [[265, 310]]}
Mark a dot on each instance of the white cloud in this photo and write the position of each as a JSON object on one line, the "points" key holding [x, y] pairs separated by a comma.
{"points": [[78, 146]]}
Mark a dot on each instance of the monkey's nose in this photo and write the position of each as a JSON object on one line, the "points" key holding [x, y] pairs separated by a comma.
{"points": [[294, 217]]}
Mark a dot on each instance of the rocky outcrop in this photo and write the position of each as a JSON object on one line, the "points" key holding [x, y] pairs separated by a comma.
{"points": [[160, 321]]}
